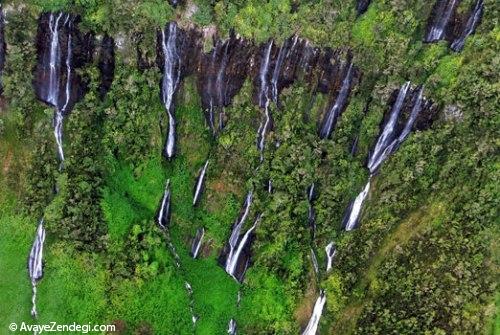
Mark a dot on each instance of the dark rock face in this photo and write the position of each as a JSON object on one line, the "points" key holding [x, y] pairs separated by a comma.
{"points": [[106, 64], [3, 46], [61, 50], [223, 71], [446, 24], [175, 3], [362, 6]]}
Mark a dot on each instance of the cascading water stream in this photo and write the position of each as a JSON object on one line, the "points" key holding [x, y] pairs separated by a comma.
{"points": [[266, 123], [170, 81], [200, 180], [472, 22], [314, 261], [387, 143], [35, 263], [312, 326], [197, 241], [311, 213], [163, 220], [231, 327], [331, 251], [53, 95], [443, 13], [332, 115]]}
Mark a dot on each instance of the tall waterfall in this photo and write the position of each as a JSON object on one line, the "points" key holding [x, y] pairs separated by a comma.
{"points": [[200, 180], [389, 140], [170, 82], [35, 263], [197, 241], [330, 118], [441, 14], [266, 122], [312, 326], [470, 26]]}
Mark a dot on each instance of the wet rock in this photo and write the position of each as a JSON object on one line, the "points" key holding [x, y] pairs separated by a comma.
{"points": [[3, 47], [64, 73], [106, 64]]}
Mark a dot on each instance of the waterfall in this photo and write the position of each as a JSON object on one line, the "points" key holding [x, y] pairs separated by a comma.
{"points": [[198, 239], [388, 133], [277, 71], [338, 107], [170, 81], [312, 326], [263, 74], [163, 216], [35, 263], [470, 26], [233, 260], [387, 143], [266, 123], [314, 261], [442, 13], [200, 180], [352, 217], [311, 214], [331, 251], [231, 328]]}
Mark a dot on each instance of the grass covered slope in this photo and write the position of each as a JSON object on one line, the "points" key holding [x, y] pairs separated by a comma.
{"points": [[424, 261]]}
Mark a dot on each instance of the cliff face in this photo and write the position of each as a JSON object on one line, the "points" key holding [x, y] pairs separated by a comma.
{"points": [[61, 50]]}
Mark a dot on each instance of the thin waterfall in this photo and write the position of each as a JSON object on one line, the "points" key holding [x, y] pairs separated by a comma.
{"points": [[312, 326], [235, 233], [277, 70], [338, 107], [163, 215], [263, 74], [60, 112], [472, 22], [266, 122], [231, 327], [163, 220], [442, 13], [314, 261], [170, 82], [200, 180], [35, 264], [331, 251], [354, 210], [311, 213], [197, 241]]}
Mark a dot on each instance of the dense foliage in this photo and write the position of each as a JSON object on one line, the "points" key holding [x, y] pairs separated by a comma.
{"points": [[424, 261]]}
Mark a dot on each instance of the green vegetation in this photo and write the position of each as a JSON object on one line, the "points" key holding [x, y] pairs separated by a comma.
{"points": [[424, 261]]}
